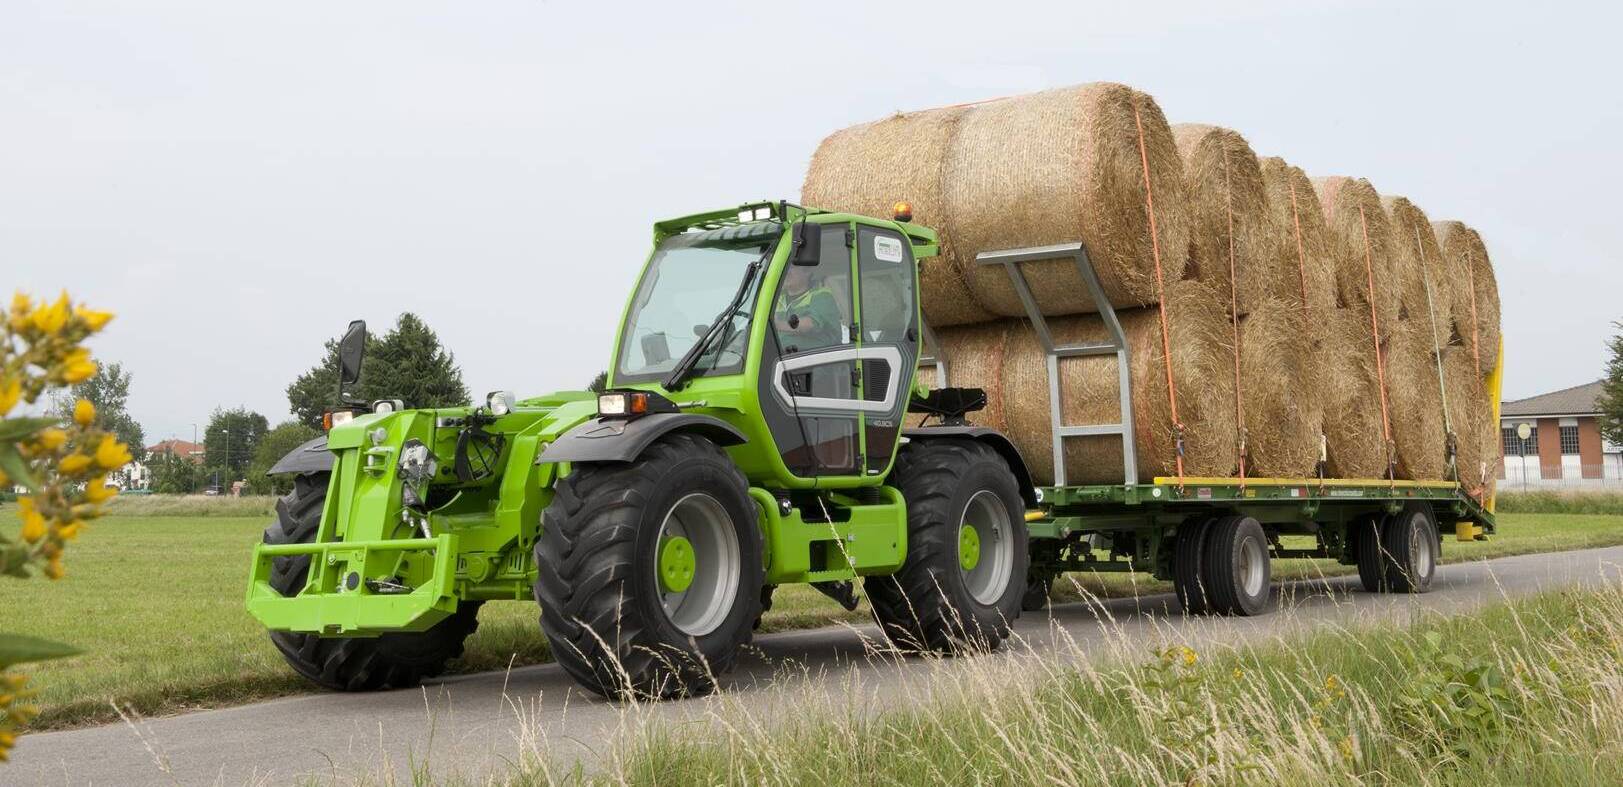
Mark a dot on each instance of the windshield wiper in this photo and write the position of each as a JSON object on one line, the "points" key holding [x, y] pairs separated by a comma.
{"points": [[684, 367]]}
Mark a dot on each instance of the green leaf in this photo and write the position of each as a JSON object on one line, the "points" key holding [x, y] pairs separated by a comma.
{"points": [[14, 429], [20, 649], [14, 466]]}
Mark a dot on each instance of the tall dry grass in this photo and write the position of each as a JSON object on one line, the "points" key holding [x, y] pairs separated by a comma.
{"points": [[1525, 692]]}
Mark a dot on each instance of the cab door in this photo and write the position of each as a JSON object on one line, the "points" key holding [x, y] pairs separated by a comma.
{"points": [[840, 354], [810, 391]]}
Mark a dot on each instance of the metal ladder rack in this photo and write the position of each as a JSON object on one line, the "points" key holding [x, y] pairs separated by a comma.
{"points": [[1012, 260]]}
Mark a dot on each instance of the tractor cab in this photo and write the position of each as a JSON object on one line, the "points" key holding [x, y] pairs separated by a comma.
{"points": [[807, 317]]}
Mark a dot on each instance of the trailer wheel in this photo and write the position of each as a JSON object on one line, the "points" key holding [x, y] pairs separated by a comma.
{"points": [[1038, 588], [962, 583], [1410, 545], [1365, 533], [651, 572], [1188, 559], [397, 660], [1236, 570]]}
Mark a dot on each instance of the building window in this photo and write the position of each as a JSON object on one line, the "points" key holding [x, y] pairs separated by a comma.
{"points": [[1515, 446], [1569, 439]]}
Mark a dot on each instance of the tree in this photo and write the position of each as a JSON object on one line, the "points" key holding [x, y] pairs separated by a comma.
{"points": [[174, 475], [1611, 397], [598, 383], [277, 443], [407, 363], [108, 390], [229, 442]]}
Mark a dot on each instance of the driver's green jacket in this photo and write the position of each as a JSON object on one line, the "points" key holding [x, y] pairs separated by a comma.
{"points": [[818, 313]]}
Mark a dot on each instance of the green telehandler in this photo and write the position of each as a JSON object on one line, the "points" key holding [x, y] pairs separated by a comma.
{"points": [[751, 435]]}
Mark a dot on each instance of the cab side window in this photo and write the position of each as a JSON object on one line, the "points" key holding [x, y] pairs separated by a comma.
{"points": [[813, 307]]}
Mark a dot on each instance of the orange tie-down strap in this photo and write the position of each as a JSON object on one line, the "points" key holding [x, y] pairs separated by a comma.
{"points": [[1160, 298], [1380, 360]]}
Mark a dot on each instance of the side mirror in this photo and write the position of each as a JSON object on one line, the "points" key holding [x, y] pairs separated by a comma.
{"points": [[808, 244], [350, 350]]}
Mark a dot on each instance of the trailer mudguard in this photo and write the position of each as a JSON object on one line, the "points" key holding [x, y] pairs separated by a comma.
{"points": [[312, 457], [617, 440], [992, 437]]}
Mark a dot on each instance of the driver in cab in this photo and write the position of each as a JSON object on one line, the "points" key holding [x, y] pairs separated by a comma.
{"points": [[807, 316]]}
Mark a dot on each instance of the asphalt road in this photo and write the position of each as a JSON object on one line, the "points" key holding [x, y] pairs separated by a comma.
{"points": [[479, 725]]}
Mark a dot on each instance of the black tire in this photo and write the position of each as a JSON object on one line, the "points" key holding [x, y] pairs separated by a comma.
{"points": [[928, 605], [1188, 565], [601, 608], [1365, 533], [1035, 597], [389, 661], [1236, 570], [1411, 549]]}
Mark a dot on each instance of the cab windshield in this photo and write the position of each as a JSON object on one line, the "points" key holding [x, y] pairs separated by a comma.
{"points": [[689, 282]]}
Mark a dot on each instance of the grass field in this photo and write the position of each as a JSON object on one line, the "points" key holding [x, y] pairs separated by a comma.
{"points": [[157, 604], [1529, 692]]}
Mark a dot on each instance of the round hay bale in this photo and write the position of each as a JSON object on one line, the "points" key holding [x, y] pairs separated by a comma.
{"points": [[1307, 269], [1415, 395], [1230, 226], [1475, 304], [975, 359], [1282, 425], [1352, 406], [1202, 373], [1350, 208], [1476, 433], [866, 169], [1417, 262], [1061, 166]]}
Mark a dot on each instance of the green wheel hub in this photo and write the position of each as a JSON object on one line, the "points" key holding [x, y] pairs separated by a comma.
{"points": [[969, 547], [676, 564]]}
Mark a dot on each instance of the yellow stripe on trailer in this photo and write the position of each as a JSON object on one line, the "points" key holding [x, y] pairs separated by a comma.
{"points": [[1328, 482], [1496, 379]]}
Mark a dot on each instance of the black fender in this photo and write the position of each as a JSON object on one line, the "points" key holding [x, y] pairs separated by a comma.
{"points": [[312, 457], [992, 437], [621, 440]]}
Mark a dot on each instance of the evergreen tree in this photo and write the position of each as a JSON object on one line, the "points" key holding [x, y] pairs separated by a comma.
{"points": [[1611, 398], [407, 363]]}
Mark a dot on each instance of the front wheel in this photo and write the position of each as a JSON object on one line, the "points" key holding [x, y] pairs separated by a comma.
{"points": [[651, 572], [962, 583], [396, 660]]}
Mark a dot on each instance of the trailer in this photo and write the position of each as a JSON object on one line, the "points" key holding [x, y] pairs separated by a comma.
{"points": [[651, 522], [1213, 537]]}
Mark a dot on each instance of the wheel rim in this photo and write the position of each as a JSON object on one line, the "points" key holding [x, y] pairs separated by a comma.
{"points": [[1252, 562], [696, 565], [985, 547], [1420, 546]]}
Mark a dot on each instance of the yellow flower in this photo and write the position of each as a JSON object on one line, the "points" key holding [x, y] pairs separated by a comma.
{"points": [[51, 439], [21, 303], [10, 392], [94, 320], [50, 319], [1188, 657], [73, 464], [112, 454], [78, 367], [97, 491], [1238, 673], [33, 526], [84, 413], [69, 531], [54, 570], [1346, 747]]}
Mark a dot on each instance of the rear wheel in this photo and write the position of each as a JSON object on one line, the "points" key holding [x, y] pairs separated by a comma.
{"points": [[1366, 542], [1411, 548], [353, 663], [1236, 568], [650, 572], [1187, 565], [964, 578]]}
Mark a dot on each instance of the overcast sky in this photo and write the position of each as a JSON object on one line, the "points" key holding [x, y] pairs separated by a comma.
{"points": [[237, 182]]}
